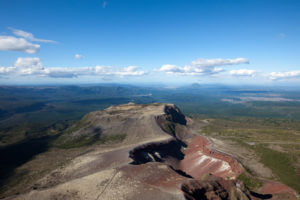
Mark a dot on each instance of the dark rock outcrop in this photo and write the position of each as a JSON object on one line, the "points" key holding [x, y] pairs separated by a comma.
{"points": [[215, 188], [172, 122], [157, 152], [173, 114]]}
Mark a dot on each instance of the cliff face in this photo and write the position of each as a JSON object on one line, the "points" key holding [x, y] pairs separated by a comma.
{"points": [[157, 158]]}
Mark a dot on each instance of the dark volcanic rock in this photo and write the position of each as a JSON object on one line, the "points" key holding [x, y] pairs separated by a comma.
{"points": [[215, 188], [157, 151], [172, 122], [174, 115]]}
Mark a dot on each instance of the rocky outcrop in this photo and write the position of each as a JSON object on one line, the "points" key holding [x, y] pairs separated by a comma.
{"points": [[173, 114], [172, 122], [215, 188], [157, 152]]}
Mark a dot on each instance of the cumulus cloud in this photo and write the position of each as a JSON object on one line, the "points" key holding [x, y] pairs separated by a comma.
{"points": [[25, 62], [78, 56], [243, 72], [34, 66], [28, 66], [10, 43], [202, 66], [64, 72], [130, 71], [29, 36], [219, 62], [285, 75], [6, 70], [22, 42], [171, 69]]}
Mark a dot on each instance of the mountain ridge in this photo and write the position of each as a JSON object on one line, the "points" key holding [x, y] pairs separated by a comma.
{"points": [[159, 158]]}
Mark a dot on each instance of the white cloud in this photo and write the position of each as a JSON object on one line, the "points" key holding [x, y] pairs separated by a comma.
{"points": [[285, 75], [243, 72], [219, 62], [29, 36], [34, 66], [21, 43], [78, 56], [10, 43], [170, 69], [103, 70], [126, 71], [6, 70], [26, 62], [202, 66], [63, 72], [130, 71], [28, 66]]}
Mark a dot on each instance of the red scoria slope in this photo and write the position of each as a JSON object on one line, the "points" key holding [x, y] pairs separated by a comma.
{"points": [[200, 159]]}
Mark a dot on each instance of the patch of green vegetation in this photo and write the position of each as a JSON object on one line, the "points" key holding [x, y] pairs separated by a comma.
{"points": [[169, 127], [250, 181], [108, 139], [83, 123], [281, 165], [113, 112], [254, 130], [156, 104], [65, 142], [259, 135]]}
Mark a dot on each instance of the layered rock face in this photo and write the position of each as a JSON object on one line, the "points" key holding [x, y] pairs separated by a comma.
{"points": [[201, 159], [159, 158]]}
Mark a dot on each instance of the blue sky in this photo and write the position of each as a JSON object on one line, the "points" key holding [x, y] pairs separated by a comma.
{"points": [[168, 41]]}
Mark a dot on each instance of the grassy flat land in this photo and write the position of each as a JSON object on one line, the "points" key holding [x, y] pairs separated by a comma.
{"points": [[276, 144]]}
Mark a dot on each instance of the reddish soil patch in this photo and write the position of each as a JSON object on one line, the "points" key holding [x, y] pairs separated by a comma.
{"points": [[277, 189], [200, 159]]}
